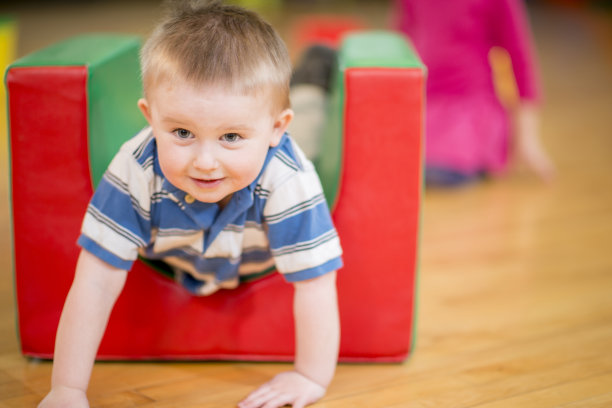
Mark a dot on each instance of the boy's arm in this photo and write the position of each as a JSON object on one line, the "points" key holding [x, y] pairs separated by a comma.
{"points": [[94, 291], [317, 327]]}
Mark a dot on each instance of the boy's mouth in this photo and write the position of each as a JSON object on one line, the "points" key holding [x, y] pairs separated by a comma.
{"points": [[207, 183]]}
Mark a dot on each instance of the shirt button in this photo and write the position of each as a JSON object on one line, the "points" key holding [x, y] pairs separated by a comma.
{"points": [[189, 199]]}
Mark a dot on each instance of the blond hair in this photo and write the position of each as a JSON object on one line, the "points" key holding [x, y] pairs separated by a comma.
{"points": [[210, 43]]}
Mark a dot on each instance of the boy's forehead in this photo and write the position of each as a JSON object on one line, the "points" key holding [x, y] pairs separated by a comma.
{"points": [[168, 74], [186, 102], [266, 97]]}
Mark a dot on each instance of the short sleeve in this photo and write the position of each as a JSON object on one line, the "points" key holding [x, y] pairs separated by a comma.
{"points": [[302, 237], [118, 219]]}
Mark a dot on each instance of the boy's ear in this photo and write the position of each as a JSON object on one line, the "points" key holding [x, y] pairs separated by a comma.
{"points": [[280, 126], [145, 109]]}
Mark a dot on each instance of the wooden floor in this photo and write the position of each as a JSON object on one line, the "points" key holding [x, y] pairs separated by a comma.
{"points": [[515, 279]]}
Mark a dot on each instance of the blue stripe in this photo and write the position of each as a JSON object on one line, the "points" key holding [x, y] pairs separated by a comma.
{"points": [[145, 151], [295, 209], [306, 246], [329, 266], [112, 181], [302, 227], [190, 283], [114, 227], [105, 255], [169, 215], [221, 268], [255, 256], [117, 206]]}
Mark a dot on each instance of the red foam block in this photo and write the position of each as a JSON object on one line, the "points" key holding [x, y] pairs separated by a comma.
{"points": [[376, 216]]}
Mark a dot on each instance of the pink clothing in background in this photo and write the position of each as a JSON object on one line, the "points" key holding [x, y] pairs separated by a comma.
{"points": [[467, 129]]}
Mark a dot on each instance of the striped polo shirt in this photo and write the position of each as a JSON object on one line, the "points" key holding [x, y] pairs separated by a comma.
{"points": [[281, 220]]}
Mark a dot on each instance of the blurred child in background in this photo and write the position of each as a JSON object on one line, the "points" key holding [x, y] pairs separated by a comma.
{"points": [[469, 133]]}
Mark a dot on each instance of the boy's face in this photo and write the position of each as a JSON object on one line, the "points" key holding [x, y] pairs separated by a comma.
{"points": [[211, 143]]}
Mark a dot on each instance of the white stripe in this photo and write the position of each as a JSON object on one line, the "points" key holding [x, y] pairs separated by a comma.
{"points": [[210, 284], [254, 237], [166, 241], [255, 267], [296, 209], [138, 142], [303, 160], [228, 244], [108, 239], [112, 225], [275, 174], [121, 186], [305, 245], [183, 265], [287, 161], [299, 189], [298, 261], [139, 185]]}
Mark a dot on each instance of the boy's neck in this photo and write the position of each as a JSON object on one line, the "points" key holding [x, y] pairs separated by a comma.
{"points": [[224, 202]]}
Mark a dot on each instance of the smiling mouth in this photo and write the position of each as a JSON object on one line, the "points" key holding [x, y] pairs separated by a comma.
{"points": [[207, 183]]}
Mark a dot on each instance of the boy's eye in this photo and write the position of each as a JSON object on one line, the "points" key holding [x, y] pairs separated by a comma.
{"points": [[182, 133], [231, 137]]}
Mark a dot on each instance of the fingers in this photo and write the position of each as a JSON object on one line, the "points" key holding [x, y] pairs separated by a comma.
{"points": [[289, 388], [300, 403], [279, 401], [266, 397], [254, 397]]}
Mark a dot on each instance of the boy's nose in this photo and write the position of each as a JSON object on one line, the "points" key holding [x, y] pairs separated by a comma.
{"points": [[205, 159]]}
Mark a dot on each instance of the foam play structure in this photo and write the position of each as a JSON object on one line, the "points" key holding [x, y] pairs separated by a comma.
{"points": [[324, 29], [71, 105]]}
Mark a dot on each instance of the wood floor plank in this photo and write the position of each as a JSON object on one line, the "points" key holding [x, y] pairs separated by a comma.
{"points": [[469, 380], [598, 401], [574, 391]]}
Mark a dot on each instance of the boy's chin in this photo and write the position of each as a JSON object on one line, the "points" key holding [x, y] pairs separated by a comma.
{"points": [[222, 200]]}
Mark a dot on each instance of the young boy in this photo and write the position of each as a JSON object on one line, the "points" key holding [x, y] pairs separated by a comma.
{"points": [[216, 189]]}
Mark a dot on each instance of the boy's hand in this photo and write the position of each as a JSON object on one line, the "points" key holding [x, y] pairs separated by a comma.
{"points": [[88, 305], [65, 397], [289, 388], [317, 324]]}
